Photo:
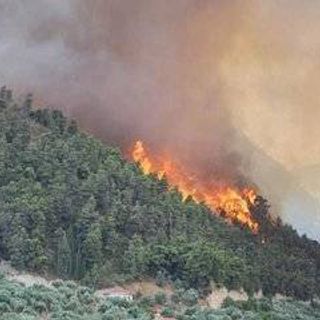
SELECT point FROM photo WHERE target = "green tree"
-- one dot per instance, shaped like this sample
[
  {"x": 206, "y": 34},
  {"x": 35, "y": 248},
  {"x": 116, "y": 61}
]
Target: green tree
[
  {"x": 63, "y": 261},
  {"x": 92, "y": 248},
  {"x": 136, "y": 257}
]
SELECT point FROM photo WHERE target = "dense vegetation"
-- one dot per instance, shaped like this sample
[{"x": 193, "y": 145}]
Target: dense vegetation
[
  {"x": 71, "y": 206},
  {"x": 63, "y": 300},
  {"x": 66, "y": 300}
]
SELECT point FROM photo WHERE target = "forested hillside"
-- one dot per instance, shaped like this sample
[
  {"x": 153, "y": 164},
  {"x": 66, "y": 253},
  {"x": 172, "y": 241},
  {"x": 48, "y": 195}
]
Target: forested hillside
[{"x": 73, "y": 207}]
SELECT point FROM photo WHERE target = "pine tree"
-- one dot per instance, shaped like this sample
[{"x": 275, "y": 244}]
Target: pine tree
[
  {"x": 63, "y": 262},
  {"x": 92, "y": 248},
  {"x": 18, "y": 244}
]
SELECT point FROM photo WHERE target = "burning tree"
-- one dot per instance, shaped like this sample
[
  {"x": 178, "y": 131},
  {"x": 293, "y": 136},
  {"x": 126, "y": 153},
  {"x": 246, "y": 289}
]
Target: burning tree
[{"x": 226, "y": 200}]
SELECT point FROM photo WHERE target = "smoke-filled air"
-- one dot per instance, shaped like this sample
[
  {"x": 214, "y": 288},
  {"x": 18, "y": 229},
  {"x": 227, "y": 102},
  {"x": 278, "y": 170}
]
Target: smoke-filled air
[{"x": 227, "y": 90}]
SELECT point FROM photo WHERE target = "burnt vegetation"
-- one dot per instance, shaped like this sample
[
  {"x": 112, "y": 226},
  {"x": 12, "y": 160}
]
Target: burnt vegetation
[{"x": 73, "y": 207}]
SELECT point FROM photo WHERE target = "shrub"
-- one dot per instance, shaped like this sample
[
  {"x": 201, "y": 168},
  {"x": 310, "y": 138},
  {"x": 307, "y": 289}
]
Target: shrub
[
  {"x": 146, "y": 302},
  {"x": 167, "y": 312},
  {"x": 40, "y": 306},
  {"x": 5, "y": 297},
  {"x": 228, "y": 302},
  {"x": 73, "y": 304},
  {"x": 160, "y": 278},
  {"x": 4, "y": 307},
  {"x": 175, "y": 298},
  {"x": 18, "y": 305},
  {"x": 57, "y": 284},
  {"x": 190, "y": 297},
  {"x": 160, "y": 298}
]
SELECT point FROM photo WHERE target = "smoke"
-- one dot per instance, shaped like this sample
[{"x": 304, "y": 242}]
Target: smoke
[{"x": 229, "y": 87}]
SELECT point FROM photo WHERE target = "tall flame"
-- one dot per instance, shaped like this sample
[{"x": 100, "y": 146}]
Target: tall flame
[{"x": 228, "y": 201}]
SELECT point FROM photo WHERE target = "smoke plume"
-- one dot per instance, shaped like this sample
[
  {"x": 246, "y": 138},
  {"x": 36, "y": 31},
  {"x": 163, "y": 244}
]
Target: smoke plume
[{"x": 228, "y": 87}]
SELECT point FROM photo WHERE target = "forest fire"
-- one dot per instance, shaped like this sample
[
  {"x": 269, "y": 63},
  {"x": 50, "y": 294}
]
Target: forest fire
[{"x": 227, "y": 201}]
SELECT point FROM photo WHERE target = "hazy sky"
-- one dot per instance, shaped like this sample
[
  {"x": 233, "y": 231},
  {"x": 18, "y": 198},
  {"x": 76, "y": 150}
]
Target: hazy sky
[{"x": 191, "y": 76}]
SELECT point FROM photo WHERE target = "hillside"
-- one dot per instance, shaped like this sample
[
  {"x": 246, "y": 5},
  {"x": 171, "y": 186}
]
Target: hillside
[
  {"x": 75, "y": 208},
  {"x": 293, "y": 194},
  {"x": 69, "y": 301}
]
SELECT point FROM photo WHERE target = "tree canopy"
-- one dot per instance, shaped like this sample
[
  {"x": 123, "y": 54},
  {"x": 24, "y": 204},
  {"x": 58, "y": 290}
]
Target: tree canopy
[{"x": 74, "y": 207}]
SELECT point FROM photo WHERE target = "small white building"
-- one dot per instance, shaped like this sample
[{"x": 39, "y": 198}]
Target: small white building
[{"x": 115, "y": 292}]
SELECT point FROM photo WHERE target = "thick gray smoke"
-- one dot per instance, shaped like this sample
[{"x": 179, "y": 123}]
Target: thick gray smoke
[
  {"x": 126, "y": 70},
  {"x": 229, "y": 87}
]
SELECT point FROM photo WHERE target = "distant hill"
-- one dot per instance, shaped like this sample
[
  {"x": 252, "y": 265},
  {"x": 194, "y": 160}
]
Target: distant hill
[
  {"x": 294, "y": 196},
  {"x": 74, "y": 207},
  {"x": 309, "y": 178}
]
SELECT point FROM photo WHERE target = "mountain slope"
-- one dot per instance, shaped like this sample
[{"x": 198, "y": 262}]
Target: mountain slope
[
  {"x": 71, "y": 206},
  {"x": 292, "y": 194}
]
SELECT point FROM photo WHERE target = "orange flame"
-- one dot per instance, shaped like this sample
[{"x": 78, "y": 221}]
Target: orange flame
[{"x": 225, "y": 200}]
